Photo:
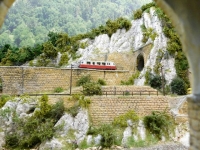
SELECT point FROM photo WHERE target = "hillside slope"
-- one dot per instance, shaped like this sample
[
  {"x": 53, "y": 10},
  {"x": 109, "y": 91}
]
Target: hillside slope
[
  {"x": 124, "y": 44},
  {"x": 29, "y": 21}
]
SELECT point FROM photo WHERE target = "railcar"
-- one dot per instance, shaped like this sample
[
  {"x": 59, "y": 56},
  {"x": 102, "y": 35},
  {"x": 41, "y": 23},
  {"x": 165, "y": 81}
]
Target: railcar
[{"x": 103, "y": 65}]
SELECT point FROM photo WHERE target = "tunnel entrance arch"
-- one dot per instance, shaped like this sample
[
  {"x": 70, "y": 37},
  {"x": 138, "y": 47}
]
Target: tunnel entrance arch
[{"x": 140, "y": 62}]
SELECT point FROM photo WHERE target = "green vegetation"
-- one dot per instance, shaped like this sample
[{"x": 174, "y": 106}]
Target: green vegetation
[
  {"x": 150, "y": 140},
  {"x": 101, "y": 82},
  {"x": 174, "y": 47},
  {"x": 3, "y": 100},
  {"x": 27, "y": 133},
  {"x": 148, "y": 33},
  {"x": 92, "y": 88},
  {"x": 137, "y": 14},
  {"x": 155, "y": 82},
  {"x": 131, "y": 80},
  {"x": 83, "y": 80},
  {"x": 107, "y": 133},
  {"x": 121, "y": 121},
  {"x": 159, "y": 124},
  {"x": 58, "y": 90},
  {"x": 80, "y": 102},
  {"x": 74, "y": 17},
  {"x": 178, "y": 86}
]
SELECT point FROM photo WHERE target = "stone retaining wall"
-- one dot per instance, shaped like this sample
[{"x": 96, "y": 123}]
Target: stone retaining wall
[
  {"x": 19, "y": 80},
  {"x": 105, "y": 109}
]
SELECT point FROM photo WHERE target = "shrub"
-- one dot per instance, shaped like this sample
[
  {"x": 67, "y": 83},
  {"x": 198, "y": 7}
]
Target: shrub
[
  {"x": 3, "y": 100},
  {"x": 156, "y": 82},
  {"x": 29, "y": 132},
  {"x": 64, "y": 59},
  {"x": 92, "y": 88},
  {"x": 178, "y": 86},
  {"x": 57, "y": 111},
  {"x": 122, "y": 119},
  {"x": 159, "y": 124},
  {"x": 83, "y": 80},
  {"x": 58, "y": 90},
  {"x": 108, "y": 137},
  {"x": 147, "y": 6},
  {"x": 73, "y": 110},
  {"x": 137, "y": 14},
  {"x": 101, "y": 82},
  {"x": 131, "y": 80}
]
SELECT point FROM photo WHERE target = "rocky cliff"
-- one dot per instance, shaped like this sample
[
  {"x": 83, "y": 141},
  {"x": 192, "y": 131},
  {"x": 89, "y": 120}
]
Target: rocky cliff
[{"x": 144, "y": 31}]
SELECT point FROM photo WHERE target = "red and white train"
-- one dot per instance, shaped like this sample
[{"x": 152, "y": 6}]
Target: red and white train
[{"x": 103, "y": 65}]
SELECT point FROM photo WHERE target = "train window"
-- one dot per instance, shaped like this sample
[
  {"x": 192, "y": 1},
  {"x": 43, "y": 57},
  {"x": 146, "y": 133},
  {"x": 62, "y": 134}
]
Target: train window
[
  {"x": 103, "y": 63},
  {"x": 88, "y": 63},
  {"x": 93, "y": 63},
  {"x": 98, "y": 63}
]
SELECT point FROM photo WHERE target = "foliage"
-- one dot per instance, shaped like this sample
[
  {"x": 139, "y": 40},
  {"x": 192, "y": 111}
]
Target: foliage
[
  {"x": 80, "y": 102},
  {"x": 156, "y": 82},
  {"x": 148, "y": 33},
  {"x": 137, "y": 14},
  {"x": 157, "y": 67},
  {"x": 131, "y": 80},
  {"x": 83, "y": 80},
  {"x": 29, "y": 132},
  {"x": 149, "y": 140},
  {"x": 147, "y": 6},
  {"x": 58, "y": 90},
  {"x": 101, "y": 82},
  {"x": 64, "y": 59},
  {"x": 148, "y": 76},
  {"x": 84, "y": 102},
  {"x": 40, "y": 17},
  {"x": 107, "y": 132},
  {"x": 159, "y": 124},
  {"x": 178, "y": 86},
  {"x": 121, "y": 120},
  {"x": 73, "y": 110},
  {"x": 3, "y": 100},
  {"x": 174, "y": 47},
  {"x": 92, "y": 88},
  {"x": 17, "y": 56}
]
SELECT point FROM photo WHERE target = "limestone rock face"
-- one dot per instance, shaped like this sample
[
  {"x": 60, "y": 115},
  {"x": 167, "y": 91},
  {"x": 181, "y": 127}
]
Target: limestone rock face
[
  {"x": 131, "y": 41},
  {"x": 21, "y": 108},
  {"x": 72, "y": 130}
]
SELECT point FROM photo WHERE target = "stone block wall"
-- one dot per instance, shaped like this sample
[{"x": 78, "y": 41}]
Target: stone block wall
[
  {"x": 19, "y": 80},
  {"x": 105, "y": 109}
]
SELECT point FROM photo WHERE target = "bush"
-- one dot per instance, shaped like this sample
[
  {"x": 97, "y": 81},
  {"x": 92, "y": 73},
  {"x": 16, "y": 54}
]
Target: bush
[
  {"x": 29, "y": 132},
  {"x": 137, "y": 14},
  {"x": 178, "y": 86},
  {"x": 156, "y": 82},
  {"x": 131, "y": 80},
  {"x": 3, "y": 100},
  {"x": 108, "y": 137},
  {"x": 83, "y": 80},
  {"x": 122, "y": 119},
  {"x": 92, "y": 88},
  {"x": 147, "y": 6},
  {"x": 107, "y": 133},
  {"x": 58, "y": 90},
  {"x": 101, "y": 82},
  {"x": 64, "y": 59},
  {"x": 159, "y": 124}
]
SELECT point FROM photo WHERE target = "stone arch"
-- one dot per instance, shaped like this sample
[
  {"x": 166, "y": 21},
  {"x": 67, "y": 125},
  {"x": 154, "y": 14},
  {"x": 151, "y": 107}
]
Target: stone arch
[
  {"x": 185, "y": 17},
  {"x": 140, "y": 62}
]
